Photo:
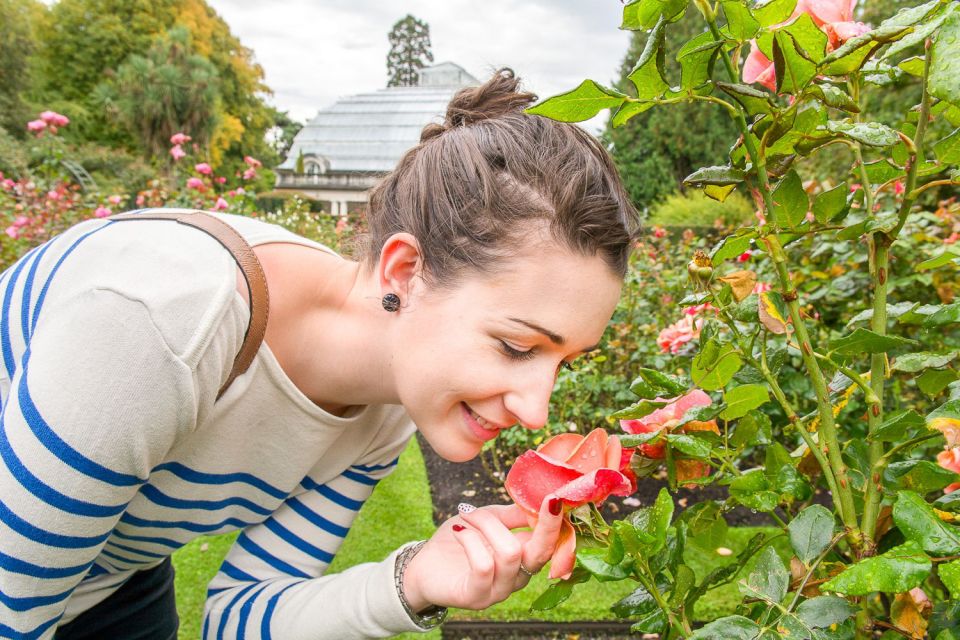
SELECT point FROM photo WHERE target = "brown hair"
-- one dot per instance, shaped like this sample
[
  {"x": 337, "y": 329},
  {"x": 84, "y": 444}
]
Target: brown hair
[{"x": 469, "y": 191}]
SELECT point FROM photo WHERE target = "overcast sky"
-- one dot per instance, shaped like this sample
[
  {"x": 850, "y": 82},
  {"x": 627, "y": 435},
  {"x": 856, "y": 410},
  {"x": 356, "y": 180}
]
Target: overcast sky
[{"x": 314, "y": 51}]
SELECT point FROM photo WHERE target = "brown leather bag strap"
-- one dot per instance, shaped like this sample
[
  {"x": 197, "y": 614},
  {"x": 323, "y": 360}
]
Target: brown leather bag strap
[{"x": 249, "y": 264}]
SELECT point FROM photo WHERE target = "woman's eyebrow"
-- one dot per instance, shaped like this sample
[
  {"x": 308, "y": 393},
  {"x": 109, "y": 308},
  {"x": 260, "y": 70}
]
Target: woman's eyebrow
[{"x": 554, "y": 337}]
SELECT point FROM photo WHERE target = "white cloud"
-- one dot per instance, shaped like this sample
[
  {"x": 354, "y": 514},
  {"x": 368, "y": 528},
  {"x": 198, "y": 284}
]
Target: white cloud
[{"x": 314, "y": 52}]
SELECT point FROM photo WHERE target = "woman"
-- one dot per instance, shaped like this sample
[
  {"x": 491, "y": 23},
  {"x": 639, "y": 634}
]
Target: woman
[{"x": 495, "y": 257}]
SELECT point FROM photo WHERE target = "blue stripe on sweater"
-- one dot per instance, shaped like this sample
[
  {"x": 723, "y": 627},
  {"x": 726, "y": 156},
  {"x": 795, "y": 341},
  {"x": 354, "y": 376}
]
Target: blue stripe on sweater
[
  {"x": 361, "y": 478},
  {"x": 42, "y": 536},
  {"x": 5, "y": 347},
  {"x": 33, "y": 634},
  {"x": 166, "y": 542},
  {"x": 225, "y": 614},
  {"x": 196, "y": 527},
  {"x": 148, "y": 554},
  {"x": 376, "y": 467},
  {"x": 25, "y": 326},
  {"x": 245, "y": 610},
  {"x": 56, "y": 267},
  {"x": 316, "y": 519},
  {"x": 331, "y": 494},
  {"x": 158, "y": 497},
  {"x": 297, "y": 542},
  {"x": 32, "y": 602},
  {"x": 45, "y": 492},
  {"x": 268, "y": 612},
  {"x": 202, "y": 477},
  {"x": 231, "y": 571},
  {"x": 58, "y": 447},
  {"x": 16, "y": 565},
  {"x": 256, "y": 550}
]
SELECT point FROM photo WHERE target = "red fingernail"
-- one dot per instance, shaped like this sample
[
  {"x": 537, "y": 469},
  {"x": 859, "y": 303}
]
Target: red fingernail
[
  {"x": 458, "y": 527},
  {"x": 555, "y": 506}
]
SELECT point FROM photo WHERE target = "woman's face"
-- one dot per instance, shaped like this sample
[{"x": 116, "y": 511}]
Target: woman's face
[{"x": 485, "y": 354}]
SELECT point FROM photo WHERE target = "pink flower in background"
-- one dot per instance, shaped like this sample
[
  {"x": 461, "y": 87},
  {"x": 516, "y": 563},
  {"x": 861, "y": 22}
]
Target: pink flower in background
[
  {"x": 179, "y": 138},
  {"x": 744, "y": 257},
  {"x": 177, "y": 152},
  {"x": 659, "y": 232},
  {"x": 759, "y": 68},
  {"x": 54, "y": 119},
  {"x": 762, "y": 287},
  {"x": 679, "y": 333},
  {"x": 53, "y": 195},
  {"x": 36, "y": 126},
  {"x": 203, "y": 168},
  {"x": 697, "y": 309},
  {"x": 953, "y": 237},
  {"x": 12, "y": 231},
  {"x": 196, "y": 183},
  {"x": 252, "y": 162},
  {"x": 250, "y": 174},
  {"x": 115, "y": 200},
  {"x": 140, "y": 200},
  {"x": 221, "y": 205},
  {"x": 898, "y": 188},
  {"x": 950, "y": 459},
  {"x": 8, "y": 184},
  {"x": 669, "y": 417},
  {"x": 102, "y": 212},
  {"x": 21, "y": 221},
  {"x": 221, "y": 179},
  {"x": 241, "y": 191}
]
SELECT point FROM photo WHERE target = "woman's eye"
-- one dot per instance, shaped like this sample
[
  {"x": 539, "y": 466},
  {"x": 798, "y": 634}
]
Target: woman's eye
[{"x": 515, "y": 354}]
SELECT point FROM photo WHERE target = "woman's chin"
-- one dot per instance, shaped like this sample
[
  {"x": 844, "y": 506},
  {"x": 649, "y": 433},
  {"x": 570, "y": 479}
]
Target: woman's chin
[{"x": 455, "y": 451}]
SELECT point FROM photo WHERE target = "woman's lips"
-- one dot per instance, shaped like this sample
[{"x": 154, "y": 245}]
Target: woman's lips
[{"x": 481, "y": 432}]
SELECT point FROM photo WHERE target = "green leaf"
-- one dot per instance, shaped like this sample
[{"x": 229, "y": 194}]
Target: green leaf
[
  {"x": 639, "y": 603},
  {"x": 947, "y": 314},
  {"x": 643, "y": 14},
  {"x": 688, "y": 444},
  {"x": 752, "y": 99},
  {"x": 793, "y": 70},
  {"x": 854, "y": 53},
  {"x": 896, "y": 571},
  {"x": 654, "y": 521},
  {"x": 729, "y": 628},
  {"x": 866, "y": 341},
  {"x": 592, "y": 560},
  {"x": 824, "y": 611},
  {"x": 715, "y": 365},
  {"x": 912, "y": 15},
  {"x": 637, "y": 410},
  {"x": 944, "y": 79},
  {"x": 913, "y": 362},
  {"x": 896, "y": 425},
  {"x": 945, "y": 258},
  {"x": 628, "y": 110},
  {"x": 696, "y": 59},
  {"x": 811, "y": 531},
  {"x": 769, "y": 579},
  {"x": 790, "y": 201},
  {"x": 754, "y": 428},
  {"x": 950, "y": 576},
  {"x": 872, "y": 134},
  {"x": 830, "y": 204},
  {"x": 741, "y": 23},
  {"x": 833, "y": 97},
  {"x": 882, "y": 171},
  {"x": 774, "y": 12},
  {"x": 933, "y": 381},
  {"x": 918, "y": 522},
  {"x": 949, "y": 409},
  {"x": 659, "y": 380},
  {"x": 706, "y": 526},
  {"x": 642, "y": 389},
  {"x": 922, "y": 476},
  {"x": 724, "y": 175},
  {"x": 948, "y": 149},
  {"x": 559, "y": 591},
  {"x": 636, "y": 439},
  {"x": 578, "y": 105},
  {"x": 913, "y": 66},
  {"x": 731, "y": 247},
  {"x": 740, "y": 400},
  {"x": 921, "y": 31},
  {"x": 648, "y": 74},
  {"x": 752, "y": 490}
]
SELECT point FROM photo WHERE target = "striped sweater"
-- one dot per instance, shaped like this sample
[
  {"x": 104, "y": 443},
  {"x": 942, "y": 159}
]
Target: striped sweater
[{"x": 114, "y": 340}]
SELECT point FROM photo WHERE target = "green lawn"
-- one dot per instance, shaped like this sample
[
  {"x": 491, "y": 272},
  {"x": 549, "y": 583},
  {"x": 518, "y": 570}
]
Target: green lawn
[{"x": 400, "y": 510}]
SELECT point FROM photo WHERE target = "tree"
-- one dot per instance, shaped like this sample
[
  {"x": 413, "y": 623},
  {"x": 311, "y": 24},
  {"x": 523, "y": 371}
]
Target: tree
[
  {"x": 409, "y": 48},
  {"x": 17, "y": 43},
  {"x": 169, "y": 89},
  {"x": 657, "y": 149}
]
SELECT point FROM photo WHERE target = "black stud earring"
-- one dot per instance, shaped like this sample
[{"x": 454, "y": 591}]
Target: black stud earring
[{"x": 391, "y": 302}]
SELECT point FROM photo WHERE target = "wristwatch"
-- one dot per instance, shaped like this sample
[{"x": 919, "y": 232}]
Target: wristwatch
[{"x": 429, "y": 618}]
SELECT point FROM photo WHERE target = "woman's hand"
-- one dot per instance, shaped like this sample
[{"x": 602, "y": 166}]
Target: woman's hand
[{"x": 474, "y": 559}]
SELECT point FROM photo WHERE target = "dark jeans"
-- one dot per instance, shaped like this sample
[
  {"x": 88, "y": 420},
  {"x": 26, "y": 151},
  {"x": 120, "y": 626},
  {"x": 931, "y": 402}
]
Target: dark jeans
[{"x": 144, "y": 608}]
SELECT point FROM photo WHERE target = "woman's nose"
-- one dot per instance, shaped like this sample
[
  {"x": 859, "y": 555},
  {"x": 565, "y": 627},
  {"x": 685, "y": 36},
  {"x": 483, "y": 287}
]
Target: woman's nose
[{"x": 529, "y": 400}]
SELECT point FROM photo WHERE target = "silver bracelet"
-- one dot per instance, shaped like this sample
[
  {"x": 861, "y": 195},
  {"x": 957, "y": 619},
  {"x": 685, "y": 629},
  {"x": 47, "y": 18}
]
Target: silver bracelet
[{"x": 431, "y": 617}]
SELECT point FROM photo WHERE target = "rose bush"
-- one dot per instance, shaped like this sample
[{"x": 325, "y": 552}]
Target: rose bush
[{"x": 840, "y": 379}]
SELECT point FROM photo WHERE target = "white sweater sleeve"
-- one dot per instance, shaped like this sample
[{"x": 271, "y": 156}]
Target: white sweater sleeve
[
  {"x": 271, "y": 584},
  {"x": 95, "y": 401}
]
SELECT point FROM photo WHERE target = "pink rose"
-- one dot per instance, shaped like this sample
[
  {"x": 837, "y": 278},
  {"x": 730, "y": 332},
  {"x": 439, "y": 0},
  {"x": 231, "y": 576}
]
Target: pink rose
[
  {"x": 250, "y": 174},
  {"x": 577, "y": 470},
  {"x": 668, "y": 417},
  {"x": 140, "y": 200},
  {"x": 196, "y": 183},
  {"x": 221, "y": 179},
  {"x": 950, "y": 460},
  {"x": 102, "y": 212},
  {"x": 13, "y": 232},
  {"x": 203, "y": 168},
  {"x": 8, "y": 184},
  {"x": 762, "y": 287},
  {"x": 659, "y": 232},
  {"x": 54, "y": 119},
  {"x": 759, "y": 68},
  {"x": 53, "y": 195},
  {"x": 671, "y": 339},
  {"x": 115, "y": 200},
  {"x": 252, "y": 162},
  {"x": 36, "y": 126},
  {"x": 21, "y": 221},
  {"x": 221, "y": 205},
  {"x": 179, "y": 138},
  {"x": 177, "y": 152}
]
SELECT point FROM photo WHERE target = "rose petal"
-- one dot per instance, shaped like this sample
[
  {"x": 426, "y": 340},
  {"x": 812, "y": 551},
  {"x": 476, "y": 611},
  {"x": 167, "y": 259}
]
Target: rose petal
[
  {"x": 612, "y": 456},
  {"x": 593, "y": 487},
  {"x": 560, "y": 447},
  {"x": 533, "y": 477},
  {"x": 565, "y": 554},
  {"x": 589, "y": 456}
]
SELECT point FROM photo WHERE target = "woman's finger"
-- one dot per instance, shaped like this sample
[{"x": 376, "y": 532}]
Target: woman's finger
[
  {"x": 538, "y": 550},
  {"x": 480, "y": 559},
  {"x": 504, "y": 545},
  {"x": 512, "y": 516}
]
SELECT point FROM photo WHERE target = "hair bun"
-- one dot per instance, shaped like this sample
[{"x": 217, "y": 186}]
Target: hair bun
[{"x": 496, "y": 97}]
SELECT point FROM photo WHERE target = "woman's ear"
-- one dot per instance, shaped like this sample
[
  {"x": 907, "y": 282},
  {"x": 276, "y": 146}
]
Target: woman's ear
[{"x": 400, "y": 262}]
